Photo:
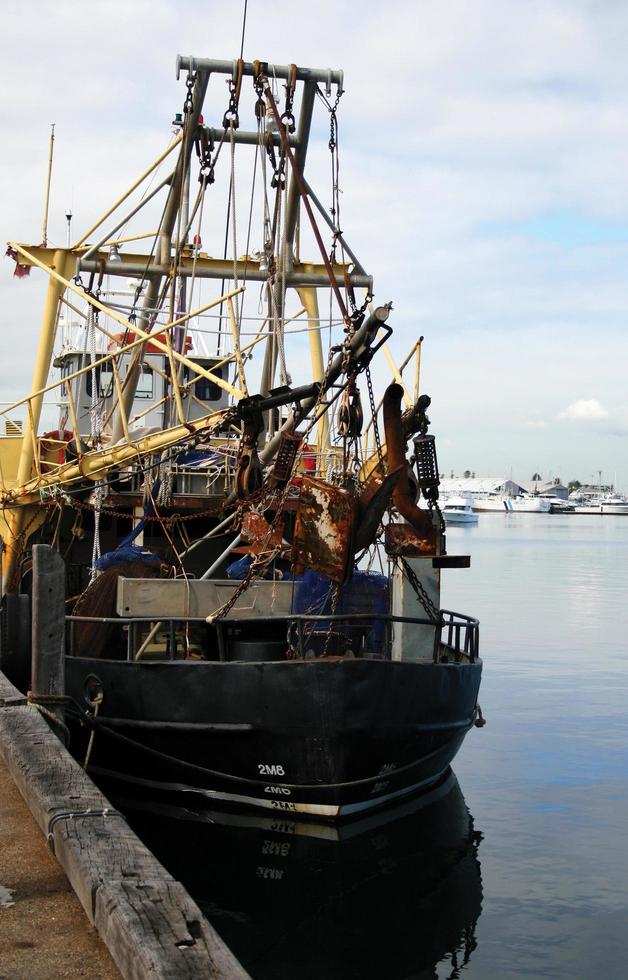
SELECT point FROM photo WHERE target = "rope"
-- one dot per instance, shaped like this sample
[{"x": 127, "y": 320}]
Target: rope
[
  {"x": 73, "y": 814},
  {"x": 92, "y": 321},
  {"x": 232, "y": 189}
]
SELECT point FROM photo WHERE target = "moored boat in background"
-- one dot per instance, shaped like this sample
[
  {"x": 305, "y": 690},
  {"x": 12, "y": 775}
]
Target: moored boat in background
[
  {"x": 558, "y": 505},
  {"x": 459, "y": 510},
  {"x": 527, "y": 504},
  {"x": 597, "y": 502}
]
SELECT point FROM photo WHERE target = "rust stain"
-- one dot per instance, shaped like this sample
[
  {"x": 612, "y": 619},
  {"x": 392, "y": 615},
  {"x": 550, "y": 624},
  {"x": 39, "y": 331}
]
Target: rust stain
[
  {"x": 256, "y": 532},
  {"x": 324, "y": 528},
  {"x": 403, "y": 539}
]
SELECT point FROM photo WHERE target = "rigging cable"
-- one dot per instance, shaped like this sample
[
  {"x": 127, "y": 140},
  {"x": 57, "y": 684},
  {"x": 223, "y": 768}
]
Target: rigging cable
[{"x": 243, "y": 29}]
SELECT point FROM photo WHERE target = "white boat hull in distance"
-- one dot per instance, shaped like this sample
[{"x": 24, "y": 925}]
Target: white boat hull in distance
[
  {"x": 489, "y": 504},
  {"x": 558, "y": 505},
  {"x": 527, "y": 505},
  {"x": 614, "y": 505},
  {"x": 459, "y": 510},
  {"x": 611, "y": 504}
]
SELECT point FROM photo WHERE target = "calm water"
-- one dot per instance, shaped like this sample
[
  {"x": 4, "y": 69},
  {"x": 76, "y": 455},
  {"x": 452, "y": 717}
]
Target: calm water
[
  {"x": 530, "y": 877},
  {"x": 547, "y": 778}
]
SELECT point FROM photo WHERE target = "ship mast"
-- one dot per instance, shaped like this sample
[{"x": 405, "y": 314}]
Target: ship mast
[{"x": 197, "y": 95}]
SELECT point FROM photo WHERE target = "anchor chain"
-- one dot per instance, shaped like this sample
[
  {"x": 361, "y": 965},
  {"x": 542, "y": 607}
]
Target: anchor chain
[
  {"x": 373, "y": 407},
  {"x": 430, "y": 608}
]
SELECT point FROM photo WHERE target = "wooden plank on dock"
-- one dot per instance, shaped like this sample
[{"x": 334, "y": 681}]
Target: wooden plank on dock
[{"x": 148, "y": 921}]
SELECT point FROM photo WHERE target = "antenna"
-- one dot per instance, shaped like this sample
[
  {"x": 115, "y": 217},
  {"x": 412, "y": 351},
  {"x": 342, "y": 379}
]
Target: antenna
[
  {"x": 44, "y": 239},
  {"x": 68, "y": 218}
]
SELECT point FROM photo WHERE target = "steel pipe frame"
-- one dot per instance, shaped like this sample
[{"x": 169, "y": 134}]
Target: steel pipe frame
[
  {"x": 358, "y": 267},
  {"x": 214, "y": 66},
  {"x": 92, "y": 249},
  {"x": 223, "y": 269},
  {"x": 249, "y": 138},
  {"x": 360, "y": 343}
]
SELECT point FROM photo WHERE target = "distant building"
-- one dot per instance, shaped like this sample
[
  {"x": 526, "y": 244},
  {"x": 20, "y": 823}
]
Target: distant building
[
  {"x": 481, "y": 484},
  {"x": 547, "y": 486}
]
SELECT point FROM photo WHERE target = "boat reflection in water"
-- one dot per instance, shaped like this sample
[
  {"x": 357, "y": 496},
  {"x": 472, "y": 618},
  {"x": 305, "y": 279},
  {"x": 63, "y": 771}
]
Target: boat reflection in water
[{"x": 391, "y": 895}]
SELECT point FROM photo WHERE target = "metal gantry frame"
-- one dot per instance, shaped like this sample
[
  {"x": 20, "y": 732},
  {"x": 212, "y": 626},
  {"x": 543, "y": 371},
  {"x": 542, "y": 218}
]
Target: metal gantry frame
[{"x": 61, "y": 264}]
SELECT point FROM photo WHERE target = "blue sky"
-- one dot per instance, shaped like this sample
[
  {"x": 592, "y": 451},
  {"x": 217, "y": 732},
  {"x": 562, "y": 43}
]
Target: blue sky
[
  {"x": 565, "y": 228},
  {"x": 484, "y": 177}
]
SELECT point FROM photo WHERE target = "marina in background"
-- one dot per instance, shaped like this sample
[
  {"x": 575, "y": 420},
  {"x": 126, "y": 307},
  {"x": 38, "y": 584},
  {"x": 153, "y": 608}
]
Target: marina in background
[{"x": 497, "y": 494}]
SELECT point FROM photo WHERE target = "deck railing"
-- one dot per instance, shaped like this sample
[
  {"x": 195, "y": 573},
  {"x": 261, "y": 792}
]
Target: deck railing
[{"x": 456, "y": 633}]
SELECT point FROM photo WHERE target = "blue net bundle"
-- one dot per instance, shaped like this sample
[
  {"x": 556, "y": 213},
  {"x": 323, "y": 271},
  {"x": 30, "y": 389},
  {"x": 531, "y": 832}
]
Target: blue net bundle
[
  {"x": 365, "y": 593},
  {"x": 126, "y": 554}
]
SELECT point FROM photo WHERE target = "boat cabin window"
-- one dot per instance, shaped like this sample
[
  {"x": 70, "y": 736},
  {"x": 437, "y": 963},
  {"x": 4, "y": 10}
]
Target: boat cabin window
[
  {"x": 105, "y": 385},
  {"x": 66, "y": 369},
  {"x": 104, "y": 382},
  {"x": 145, "y": 383},
  {"x": 204, "y": 389}
]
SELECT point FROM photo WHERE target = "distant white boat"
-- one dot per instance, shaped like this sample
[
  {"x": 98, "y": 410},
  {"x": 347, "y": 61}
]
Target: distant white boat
[
  {"x": 459, "y": 510},
  {"x": 600, "y": 503},
  {"x": 558, "y": 505},
  {"x": 614, "y": 504},
  {"x": 527, "y": 505},
  {"x": 489, "y": 502}
]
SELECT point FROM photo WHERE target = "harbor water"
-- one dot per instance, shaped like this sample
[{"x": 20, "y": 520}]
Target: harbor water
[{"x": 517, "y": 866}]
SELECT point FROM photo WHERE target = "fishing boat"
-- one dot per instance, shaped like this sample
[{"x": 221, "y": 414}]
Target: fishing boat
[{"x": 253, "y": 592}]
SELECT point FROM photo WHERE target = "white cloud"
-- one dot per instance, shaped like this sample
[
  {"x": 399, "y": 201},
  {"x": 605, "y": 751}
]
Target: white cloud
[{"x": 585, "y": 409}]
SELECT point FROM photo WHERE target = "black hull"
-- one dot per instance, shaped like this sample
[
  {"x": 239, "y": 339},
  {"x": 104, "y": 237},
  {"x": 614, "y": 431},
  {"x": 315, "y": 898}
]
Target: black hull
[{"x": 327, "y": 737}]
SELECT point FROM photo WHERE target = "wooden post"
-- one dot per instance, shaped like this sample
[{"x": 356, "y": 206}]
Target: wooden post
[{"x": 48, "y": 673}]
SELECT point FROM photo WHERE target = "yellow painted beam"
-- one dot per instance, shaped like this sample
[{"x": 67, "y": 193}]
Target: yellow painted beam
[
  {"x": 94, "y": 465},
  {"x": 127, "y": 193},
  {"x": 309, "y": 298},
  {"x": 193, "y": 366}
]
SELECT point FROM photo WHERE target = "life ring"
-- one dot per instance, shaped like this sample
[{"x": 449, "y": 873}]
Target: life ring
[{"x": 53, "y": 444}]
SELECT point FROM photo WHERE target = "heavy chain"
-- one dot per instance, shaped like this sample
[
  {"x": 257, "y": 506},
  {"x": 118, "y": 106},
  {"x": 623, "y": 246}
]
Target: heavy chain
[
  {"x": 430, "y": 608},
  {"x": 188, "y": 105},
  {"x": 82, "y": 505},
  {"x": 258, "y": 565},
  {"x": 378, "y": 442},
  {"x": 287, "y": 118},
  {"x": 231, "y": 117},
  {"x": 335, "y": 601},
  {"x": 204, "y": 151},
  {"x": 433, "y": 504},
  {"x": 278, "y": 179},
  {"x": 333, "y": 121}
]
